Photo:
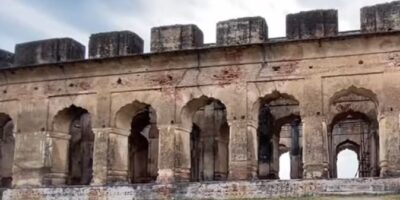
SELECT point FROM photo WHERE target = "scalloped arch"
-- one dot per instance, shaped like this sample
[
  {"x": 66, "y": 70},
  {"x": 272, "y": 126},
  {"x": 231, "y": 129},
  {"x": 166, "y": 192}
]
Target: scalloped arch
[
  {"x": 187, "y": 112},
  {"x": 124, "y": 115},
  {"x": 64, "y": 117}
]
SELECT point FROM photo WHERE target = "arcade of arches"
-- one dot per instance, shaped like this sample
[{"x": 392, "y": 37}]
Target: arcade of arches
[{"x": 202, "y": 142}]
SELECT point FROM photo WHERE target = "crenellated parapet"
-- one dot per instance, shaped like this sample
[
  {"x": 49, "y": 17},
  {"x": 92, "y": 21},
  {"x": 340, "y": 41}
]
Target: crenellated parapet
[
  {"x": 176, "y": 37},
  {"x": 381, "y": 17},
  {"x": 48, "y": 51},
  {"x": 306, "y": 25},
  {"x": 111, "y": 44},
  {"x": 242, "y": 31},
  {"x": 6, "y": 59},
  {"x": 312, "y": 24}
]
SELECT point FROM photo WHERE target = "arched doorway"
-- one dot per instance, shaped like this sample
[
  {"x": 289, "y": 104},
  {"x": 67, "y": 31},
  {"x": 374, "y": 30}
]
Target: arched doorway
[
  {"x": 284, "y": 166},
  {"x": 138, "y": 122},
  {"x": 7, "y": 146},
  {"x": 80, "y": 148},
  {"x": 347, "y": 164},
  {"x": 75, "y": 122},
  {"x": 357, "y": 132},
  {"x": 143, "y": 147},
  {"x": 209, "y": 140},
  {"x": 279, "y": 131}
]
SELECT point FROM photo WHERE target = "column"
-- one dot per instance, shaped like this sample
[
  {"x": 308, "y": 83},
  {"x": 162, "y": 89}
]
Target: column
[
  {"x": 239, "y": 164},
  {"x": 118, "y": 156},
  {"x": 315, "y": 161},
  {"x": 314, "y": 155},
  {"x": 252, "y": 146},
  {"x": 100, "y": 155},
  {"x": 182, "y": 154},
  {"x": 31, "y": 143},
  {"x": 389, "y": 140},
  {"x": 57, "y": 160},
  {"x": 166, "y": 154}
]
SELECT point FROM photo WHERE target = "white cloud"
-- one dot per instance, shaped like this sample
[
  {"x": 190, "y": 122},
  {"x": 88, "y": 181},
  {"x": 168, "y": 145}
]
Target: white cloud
[{"x": 35, "y": 21}]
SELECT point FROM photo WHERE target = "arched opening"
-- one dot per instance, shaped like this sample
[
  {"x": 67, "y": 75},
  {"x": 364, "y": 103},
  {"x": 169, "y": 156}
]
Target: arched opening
[
  {"x": 284, "y": 166},
  {"x": 7, "y": 146},
  {"x": 209, "y": 140},
  {"x": 357, "y": 132},
  {"x": 76, "y": 122},
  {"x": 279, "y": 131},
  {"x": 347, "y": 164},
  {"x": 143, "y": 146}
]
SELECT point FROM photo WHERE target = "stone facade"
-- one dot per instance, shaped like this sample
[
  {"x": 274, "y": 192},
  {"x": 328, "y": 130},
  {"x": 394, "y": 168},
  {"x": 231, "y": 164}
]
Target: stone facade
[{"x": 193, "y": 113}]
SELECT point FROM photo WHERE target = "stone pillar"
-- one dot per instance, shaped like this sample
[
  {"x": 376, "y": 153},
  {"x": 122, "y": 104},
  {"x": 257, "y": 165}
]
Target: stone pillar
[
  {"x": 31, "y": 143},
  {"x": 252, "y": 146},
  {"x": 239, "y": 164},
  {"x": 57, "y": 161},
  {"x": 118, "y": 156},
  {"x": 182, "y": 154},
  {"x": 29, "y": 160},
  {"x": 100, "y": 156},
  {"x": 314, "y": 139},
  {"x": 389, "y": 140},
  {"x": 166, "y": 154},
  {"x": 314, "y": 156}
]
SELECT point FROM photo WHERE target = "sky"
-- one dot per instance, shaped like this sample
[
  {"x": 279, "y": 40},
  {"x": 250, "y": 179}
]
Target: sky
[
  {"x": 29, "y": 20},
  {"x": 347, "y": 165}
]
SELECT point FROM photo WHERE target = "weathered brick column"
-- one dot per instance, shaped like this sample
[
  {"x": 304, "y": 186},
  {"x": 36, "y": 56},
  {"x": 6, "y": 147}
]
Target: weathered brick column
[
  {"x": 239, "y": 164},
  {"x": 100, "y": 156},
  {"x": 166, "y": 154},
  {"x": 389, "y": 140},
  {"x": 315, "y": 161},
  {"x": 118, "y": 156},
  {"x": 182, "y": 154},
  {"x": 314, "y": 156},
  {"x": 30, "y": 143},
  {"x": 252, "y": 147},
  {"x": 57, "y": 159}
]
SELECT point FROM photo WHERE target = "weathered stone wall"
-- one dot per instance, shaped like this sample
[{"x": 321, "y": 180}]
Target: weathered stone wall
[
  {"x": 215, "y": 190},
  {"x": 318, "y": 81}
]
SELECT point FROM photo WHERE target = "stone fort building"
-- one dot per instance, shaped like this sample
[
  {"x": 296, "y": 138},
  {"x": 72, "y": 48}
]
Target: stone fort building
[{"x": 195, "y": 120}]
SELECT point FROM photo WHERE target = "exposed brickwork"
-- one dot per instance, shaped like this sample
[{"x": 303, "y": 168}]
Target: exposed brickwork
[{"x": 215, "y": 190}]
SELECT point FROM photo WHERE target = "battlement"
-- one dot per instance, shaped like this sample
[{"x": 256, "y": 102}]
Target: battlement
[
  {"x": 315, "y": 24},
  {"x": 48, "y": 51}
]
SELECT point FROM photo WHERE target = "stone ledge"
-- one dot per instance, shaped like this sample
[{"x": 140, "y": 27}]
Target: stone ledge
[{"x": 217, "y": 190}]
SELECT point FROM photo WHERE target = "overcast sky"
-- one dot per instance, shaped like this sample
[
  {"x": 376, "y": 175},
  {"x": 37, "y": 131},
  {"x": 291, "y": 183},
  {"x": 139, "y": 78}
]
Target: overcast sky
[{"x": 28, "y": 20}]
